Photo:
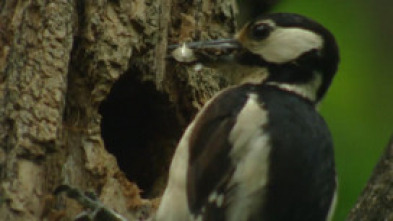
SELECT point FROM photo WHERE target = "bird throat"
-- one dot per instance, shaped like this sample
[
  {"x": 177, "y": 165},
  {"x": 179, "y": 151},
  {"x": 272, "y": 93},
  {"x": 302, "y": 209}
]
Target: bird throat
[{"x": 307, "y": 90}]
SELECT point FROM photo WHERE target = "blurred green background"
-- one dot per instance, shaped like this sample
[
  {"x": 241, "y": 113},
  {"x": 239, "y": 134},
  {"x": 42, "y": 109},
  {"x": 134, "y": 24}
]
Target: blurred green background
[{"x": 358, "y": 107}]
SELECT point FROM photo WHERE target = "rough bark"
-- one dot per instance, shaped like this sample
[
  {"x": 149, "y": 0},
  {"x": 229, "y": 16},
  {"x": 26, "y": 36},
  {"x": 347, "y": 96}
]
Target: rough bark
[
  {"x": 83, "y": 84},
  {"x": 376, "y": 201}
]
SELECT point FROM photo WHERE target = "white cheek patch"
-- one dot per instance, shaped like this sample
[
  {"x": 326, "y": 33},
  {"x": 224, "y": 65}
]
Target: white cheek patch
[{"x": 286, "y": 44}]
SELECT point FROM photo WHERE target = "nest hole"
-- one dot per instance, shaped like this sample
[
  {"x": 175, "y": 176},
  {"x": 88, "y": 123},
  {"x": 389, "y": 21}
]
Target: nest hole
[{"x": 141, "y": 128}]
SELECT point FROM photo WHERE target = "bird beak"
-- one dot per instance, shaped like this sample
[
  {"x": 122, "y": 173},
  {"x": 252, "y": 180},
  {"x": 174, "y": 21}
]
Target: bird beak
[
  {"x": 204, "y": 51},
  {"x": 219, "y": 44}
]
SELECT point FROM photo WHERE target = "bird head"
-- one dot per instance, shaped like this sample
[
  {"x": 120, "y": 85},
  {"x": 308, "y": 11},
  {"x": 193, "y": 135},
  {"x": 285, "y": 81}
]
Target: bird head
[{"x": 299, "y": 53}]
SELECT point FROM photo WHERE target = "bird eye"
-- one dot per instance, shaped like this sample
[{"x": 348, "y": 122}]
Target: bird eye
[{"x": 260, "y": 31}]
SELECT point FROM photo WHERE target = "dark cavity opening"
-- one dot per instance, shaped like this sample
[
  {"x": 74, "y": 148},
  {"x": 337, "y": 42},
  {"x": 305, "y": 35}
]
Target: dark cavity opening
[{"x": 140, "y": 128}]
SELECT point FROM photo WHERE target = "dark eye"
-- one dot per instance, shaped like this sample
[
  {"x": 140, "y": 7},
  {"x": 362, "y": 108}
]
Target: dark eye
[{"x": 260, "y": 31}]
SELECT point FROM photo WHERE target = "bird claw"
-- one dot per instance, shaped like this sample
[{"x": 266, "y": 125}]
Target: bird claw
[{"x": 96, "y": 210}]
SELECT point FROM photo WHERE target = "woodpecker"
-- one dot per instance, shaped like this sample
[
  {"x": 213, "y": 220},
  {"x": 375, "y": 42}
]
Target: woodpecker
[{"x": 260, "y": 151}]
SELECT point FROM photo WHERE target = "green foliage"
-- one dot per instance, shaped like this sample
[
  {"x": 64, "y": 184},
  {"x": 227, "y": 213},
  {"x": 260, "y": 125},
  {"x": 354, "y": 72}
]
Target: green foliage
[{"x": 358, "y": 107}]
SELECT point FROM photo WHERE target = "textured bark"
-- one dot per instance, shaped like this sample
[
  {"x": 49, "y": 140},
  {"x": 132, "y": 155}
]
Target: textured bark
[
  {"x": 376, "y": 201},
  {"x": 66, "y": 69}
]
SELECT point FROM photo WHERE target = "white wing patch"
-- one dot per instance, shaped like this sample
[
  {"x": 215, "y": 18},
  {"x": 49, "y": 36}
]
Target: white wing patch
[
  {"x": 174, "y": 204},
  {"x": 285, "y": 44},
  {"x": 250, "y": 153},
  {"x": 218, "y": 199}
]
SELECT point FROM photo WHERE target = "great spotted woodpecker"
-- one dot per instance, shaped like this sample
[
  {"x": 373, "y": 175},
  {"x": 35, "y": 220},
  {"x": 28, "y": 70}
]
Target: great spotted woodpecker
[{"x": 260, "y": 151}]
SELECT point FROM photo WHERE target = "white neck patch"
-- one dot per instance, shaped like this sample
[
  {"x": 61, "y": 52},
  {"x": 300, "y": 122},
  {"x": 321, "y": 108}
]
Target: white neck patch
[
  {"x": 285, "y": 44},
  {"x": 307, "y": 90}
]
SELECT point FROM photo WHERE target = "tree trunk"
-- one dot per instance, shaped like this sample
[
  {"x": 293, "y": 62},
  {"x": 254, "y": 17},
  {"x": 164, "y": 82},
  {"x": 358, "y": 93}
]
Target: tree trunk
[
  {"x": 89, "y": 99},
  {"x": 376, "y": 201}
]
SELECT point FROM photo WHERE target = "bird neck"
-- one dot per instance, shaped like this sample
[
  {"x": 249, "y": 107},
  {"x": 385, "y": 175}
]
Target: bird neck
[
  {"x": 302, "y": 77},
  {"x": 295, "y": 79}
]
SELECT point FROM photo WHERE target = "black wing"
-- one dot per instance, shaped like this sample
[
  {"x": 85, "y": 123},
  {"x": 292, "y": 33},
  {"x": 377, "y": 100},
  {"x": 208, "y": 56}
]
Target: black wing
[{"x": 210, "y": 167}]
